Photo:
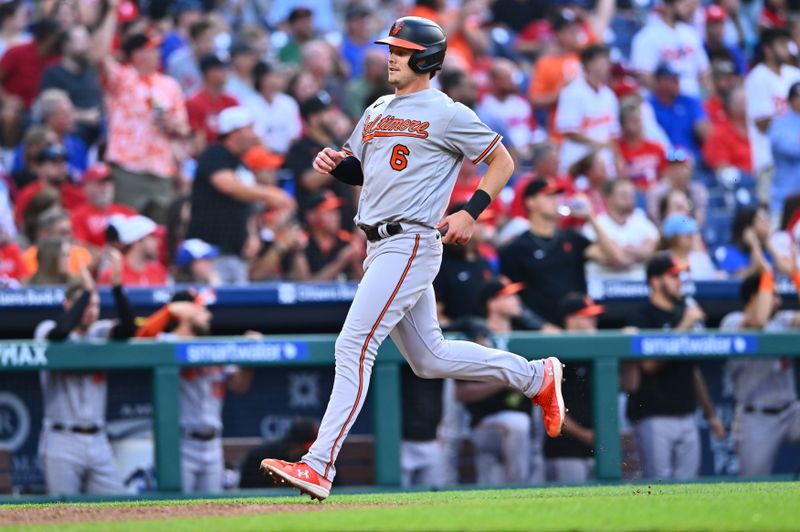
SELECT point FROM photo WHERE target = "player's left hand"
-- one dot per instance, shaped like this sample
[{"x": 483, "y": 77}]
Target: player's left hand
[{"x": 459, "y": 228}]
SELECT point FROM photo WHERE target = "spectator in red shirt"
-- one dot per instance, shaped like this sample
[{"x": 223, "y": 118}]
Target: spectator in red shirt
[
  {"x": 12, "y": 265},
  {"x": 50, "y": 167},
  {"x": 21, "y": 71},
  {"x": 644, "y": 160},
  {"x": 140, "y": 266},
  {"x": 725, "y": 79},
  {"x": 90, "y": 220},
  {"x": 204, "y": 107},
  {"x": 728, "y": 144}
]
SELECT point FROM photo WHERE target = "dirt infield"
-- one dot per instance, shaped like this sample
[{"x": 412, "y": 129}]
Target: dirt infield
[{"x": 81, "y": 513}]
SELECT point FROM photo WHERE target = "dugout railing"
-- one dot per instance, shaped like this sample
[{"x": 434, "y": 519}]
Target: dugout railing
[{"x": 604, "y": 349}]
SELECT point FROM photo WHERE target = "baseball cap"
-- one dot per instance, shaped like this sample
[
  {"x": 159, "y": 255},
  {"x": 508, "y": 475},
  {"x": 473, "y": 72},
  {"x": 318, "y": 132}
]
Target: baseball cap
[
  {"x": 625, "y": 86},
  {"x": 182, "y": 6},
  {"x": 356, "y": 11},
  {"x": 207, "y": 62},
  {"x": 723, "y": 67},
  {"x": 563, "y": 18},
  {"x": 315, "y": 104},
  {"x": 662, "y": 263},
  {"x": 234, "y": 118},
  {"x": 794, "y": 90},
  {"x": 679, "y": 224},
  {"x": 714, "y": 13},
  {"x": 241, "y": 48},
  {"x": 498, "y": 288},
  {"x": 127, "y": 11},
  {"x": 299, "y": 13},
  {"x": 138, "y": 41},
  {"x": 577, "y": 304},
  {"x": 131, "y": 229},
  {"x": 259, "y": 158},
  {"x": 195, "y": 249},
  {"x": 51, "y": 152},
  {"x": 324, "y": 201},
  {"x": 96, "y": 173},
  {"x": 665, "y": 70},
  {"x": 541, "y": 185}
]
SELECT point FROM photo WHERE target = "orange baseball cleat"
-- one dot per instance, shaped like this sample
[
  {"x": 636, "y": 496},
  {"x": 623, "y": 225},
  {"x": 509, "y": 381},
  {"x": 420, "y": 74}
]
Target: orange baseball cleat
[
  {"x": 297, "y": 475},
  {"x": 550, "y": 398}
]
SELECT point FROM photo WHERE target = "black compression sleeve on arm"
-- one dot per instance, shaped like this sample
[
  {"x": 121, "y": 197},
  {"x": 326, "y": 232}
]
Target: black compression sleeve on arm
[
  {"x": 349, "y": 171},
  {"x": 70, "y": 319},
  {"x": 477, "y": 203},
  {"x": 126, "y": 324}
]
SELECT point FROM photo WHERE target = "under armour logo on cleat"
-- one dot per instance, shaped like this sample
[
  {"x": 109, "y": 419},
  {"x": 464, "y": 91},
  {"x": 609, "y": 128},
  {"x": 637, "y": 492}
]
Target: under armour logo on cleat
[{"x": 302, "y": 474}]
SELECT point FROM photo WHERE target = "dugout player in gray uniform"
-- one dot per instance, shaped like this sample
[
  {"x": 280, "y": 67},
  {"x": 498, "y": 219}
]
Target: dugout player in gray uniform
[
  {"x": 74, "y": 451},
  {"x": 202, "y": 391},
  {"x": 406, "y": 151},
  {"x": 767, "y": 409}
]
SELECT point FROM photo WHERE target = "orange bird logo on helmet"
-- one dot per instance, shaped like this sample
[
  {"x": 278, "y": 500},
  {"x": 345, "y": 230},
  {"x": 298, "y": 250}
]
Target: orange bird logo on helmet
[{"x": 396, "y": 27}]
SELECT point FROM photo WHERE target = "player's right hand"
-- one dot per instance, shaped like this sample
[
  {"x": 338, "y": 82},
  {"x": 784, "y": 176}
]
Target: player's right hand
[{"x": 327, "y": 160}]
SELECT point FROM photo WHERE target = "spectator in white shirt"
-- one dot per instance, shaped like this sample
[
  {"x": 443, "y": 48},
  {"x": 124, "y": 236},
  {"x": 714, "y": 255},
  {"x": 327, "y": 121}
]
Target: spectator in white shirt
[
  {"x": 629, "y": 227},
  {"x": 669, "y": 38},
  {"x": 277, "y": 115},
  {"x": 588, "y": 112},
  {"x": 244, "y": 58},
  {"x": 766, "y": 87},
  {"x": 504, "y": 105}
]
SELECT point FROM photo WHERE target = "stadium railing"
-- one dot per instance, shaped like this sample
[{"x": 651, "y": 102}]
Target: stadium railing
[
  {"x": 165, "y": 360},
  {"x": 283, "y": 307}
]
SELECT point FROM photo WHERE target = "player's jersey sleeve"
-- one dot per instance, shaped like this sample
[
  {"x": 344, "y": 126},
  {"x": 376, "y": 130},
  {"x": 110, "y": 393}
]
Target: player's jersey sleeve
[
  {"x": 468, "y": 135},
  {"x": 353, "y": 144}
]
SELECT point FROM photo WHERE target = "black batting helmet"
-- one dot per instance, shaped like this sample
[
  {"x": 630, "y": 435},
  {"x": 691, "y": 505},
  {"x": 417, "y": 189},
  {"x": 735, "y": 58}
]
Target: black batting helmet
[{"x": 422, "y": 35}]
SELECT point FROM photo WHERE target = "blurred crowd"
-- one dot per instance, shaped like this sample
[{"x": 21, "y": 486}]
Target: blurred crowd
[{"x": 182, "y": 132}]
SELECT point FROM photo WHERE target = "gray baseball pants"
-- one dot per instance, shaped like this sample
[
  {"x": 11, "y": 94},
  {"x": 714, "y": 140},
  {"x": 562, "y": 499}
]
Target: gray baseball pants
[
  {"x": 395, "y": 297},
  {"x": 78, "y": 463},
  {"x": 759, "y": 437},
  {"x": 202, "y": 465},
  {"x": 669, "y": 447}
]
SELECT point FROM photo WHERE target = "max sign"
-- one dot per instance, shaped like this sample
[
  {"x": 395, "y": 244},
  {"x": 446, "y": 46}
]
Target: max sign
[{"x": 23, "y": 355}]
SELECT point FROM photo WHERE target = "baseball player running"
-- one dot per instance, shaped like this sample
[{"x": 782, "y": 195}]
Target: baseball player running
[{"x": 406, "y": 152}]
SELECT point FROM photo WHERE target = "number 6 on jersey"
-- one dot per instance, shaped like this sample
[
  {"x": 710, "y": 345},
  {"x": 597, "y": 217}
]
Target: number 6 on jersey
[{"x": 399, "y": 160}]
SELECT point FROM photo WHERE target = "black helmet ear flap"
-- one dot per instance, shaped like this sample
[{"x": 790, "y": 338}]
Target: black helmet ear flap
[{"x": 429, "y": 60}]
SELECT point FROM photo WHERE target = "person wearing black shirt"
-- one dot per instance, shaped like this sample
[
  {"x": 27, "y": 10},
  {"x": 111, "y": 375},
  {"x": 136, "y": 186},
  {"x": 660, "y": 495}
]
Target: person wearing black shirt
[
  {"x": 224, "y": 194},
  {"x": 331, "y": 251},
  {"x": 320, "y": 123},
  {"x": 499, "y": 416},
  {"x": 462, "y": 274},
  {"x": 570, "y": 458},
  {"x": 551, "y": 261},
  {"x": 662, "y": 405}
]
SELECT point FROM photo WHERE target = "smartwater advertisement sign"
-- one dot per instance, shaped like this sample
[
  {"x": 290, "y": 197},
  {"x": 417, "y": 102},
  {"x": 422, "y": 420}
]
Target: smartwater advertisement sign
[
  {"x": 695, "y": 345},
  {"x": 243, "y": 352}
]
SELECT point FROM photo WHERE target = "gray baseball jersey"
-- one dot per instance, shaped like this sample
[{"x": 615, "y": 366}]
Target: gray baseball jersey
[
  {"x": 411, "y": 148},
  {"x": 762, "y": 382},
  {"x": 71, "y": 397}
]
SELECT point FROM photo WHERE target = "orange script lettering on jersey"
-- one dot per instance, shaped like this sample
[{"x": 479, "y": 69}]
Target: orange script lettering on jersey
[{"x": 391, "y": 126}]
